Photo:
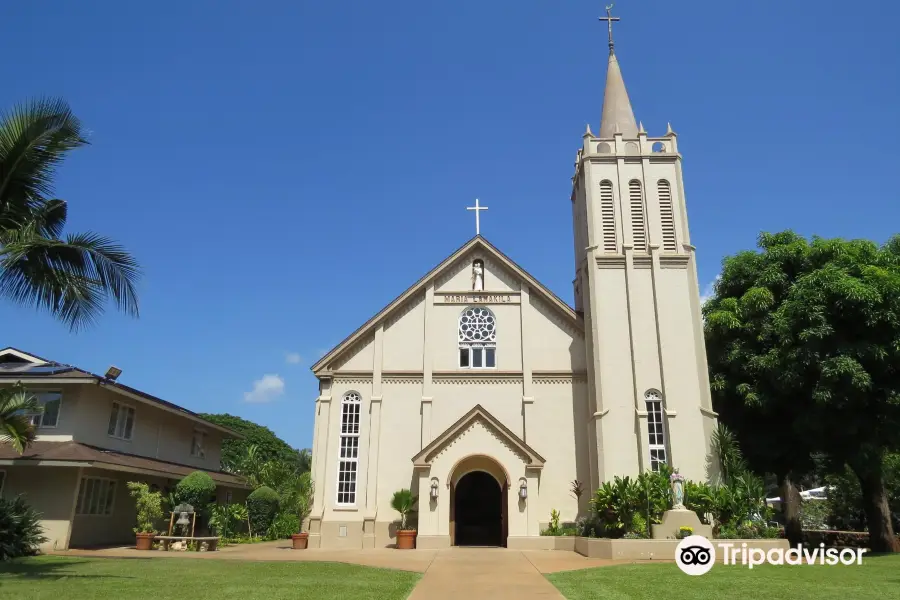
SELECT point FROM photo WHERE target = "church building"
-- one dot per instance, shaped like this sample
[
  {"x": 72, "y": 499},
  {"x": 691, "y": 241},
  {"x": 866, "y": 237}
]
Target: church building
[{"x": 488, "y": 396}]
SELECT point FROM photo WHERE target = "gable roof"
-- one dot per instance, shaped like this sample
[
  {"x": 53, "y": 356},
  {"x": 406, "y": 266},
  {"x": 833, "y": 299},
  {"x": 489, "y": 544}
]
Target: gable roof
[
  {"x": 40, "y": 370},
  {"x": 424, "y": 457},
  {"x": 477, "y": 242}
]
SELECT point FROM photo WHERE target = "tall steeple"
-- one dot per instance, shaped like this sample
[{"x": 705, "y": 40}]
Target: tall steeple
[{"x": 617, "y": 115}]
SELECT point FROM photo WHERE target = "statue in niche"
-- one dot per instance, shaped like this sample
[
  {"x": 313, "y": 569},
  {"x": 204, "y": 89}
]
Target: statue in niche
[{"x": 478, "y": 276}]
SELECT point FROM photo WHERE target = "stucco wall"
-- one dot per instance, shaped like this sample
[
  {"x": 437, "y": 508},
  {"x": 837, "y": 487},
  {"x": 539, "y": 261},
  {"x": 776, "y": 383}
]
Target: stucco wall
[
  {"x": 51, "y": 492},
  {"x": 84, "y": 416}
]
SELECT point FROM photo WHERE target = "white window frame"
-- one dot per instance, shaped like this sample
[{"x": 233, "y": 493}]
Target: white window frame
[
  {"x": 202, "y": 446},
  {"x": 40, "y": 415},
  {"x": 469, "y": 346},
  {"x": 119, "y": 413},
  {"x": 349, "y": 438},
  {"x": 656, "y": 429},
  {"x": 82, "y": 489}
]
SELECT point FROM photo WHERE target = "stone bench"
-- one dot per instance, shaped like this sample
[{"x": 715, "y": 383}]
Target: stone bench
[{"x": 211, "y": 542}]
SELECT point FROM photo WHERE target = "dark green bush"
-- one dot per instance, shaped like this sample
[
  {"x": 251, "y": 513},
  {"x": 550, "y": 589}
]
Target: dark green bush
[
  {"x": 197, "y": 489},
  {"x": 283, "y": 526},
  {"x": 262, "y": 506},
  {"x": 20, "y": 529}
]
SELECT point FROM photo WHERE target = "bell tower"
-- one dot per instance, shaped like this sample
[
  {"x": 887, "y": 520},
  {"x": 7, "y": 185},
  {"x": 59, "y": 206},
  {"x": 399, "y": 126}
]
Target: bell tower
[{"x": 636, "y": 285}]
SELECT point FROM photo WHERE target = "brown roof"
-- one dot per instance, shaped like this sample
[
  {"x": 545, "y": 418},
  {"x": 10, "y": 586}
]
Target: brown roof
[{"x": 82, "y": 453}]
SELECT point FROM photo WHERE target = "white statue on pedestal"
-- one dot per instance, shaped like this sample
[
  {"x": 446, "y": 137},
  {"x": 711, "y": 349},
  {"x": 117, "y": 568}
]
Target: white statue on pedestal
[
  {"x": 677, "y": 482},
  {"x": 478, "y": 276}
]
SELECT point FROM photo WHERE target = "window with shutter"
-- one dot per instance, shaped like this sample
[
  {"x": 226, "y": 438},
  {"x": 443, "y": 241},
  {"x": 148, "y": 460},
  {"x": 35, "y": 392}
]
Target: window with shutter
[
  {"x": 608, "y": 216},
  {"x": 638, "y": 222},
  {"x": 666, "y": 216}
]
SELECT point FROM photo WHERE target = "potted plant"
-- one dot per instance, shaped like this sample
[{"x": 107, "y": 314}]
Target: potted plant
[
  {"x": 148, "y": 509},
  {"x": 404, "y": 502},
  {"x": 300, "y": 540}
]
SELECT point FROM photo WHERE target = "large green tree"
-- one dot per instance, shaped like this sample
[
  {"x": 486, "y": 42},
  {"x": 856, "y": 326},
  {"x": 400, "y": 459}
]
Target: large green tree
[
  {"x": 803, "y": 339},
  {"x": 71, "y": 277},
  {"x": 268, "y": 446}
]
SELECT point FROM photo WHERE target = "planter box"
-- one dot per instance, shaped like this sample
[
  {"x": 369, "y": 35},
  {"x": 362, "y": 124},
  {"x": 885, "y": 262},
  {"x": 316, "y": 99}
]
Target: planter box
[
  {"x": 544, "y": 542},
  {"x": 656, "y": 549}
]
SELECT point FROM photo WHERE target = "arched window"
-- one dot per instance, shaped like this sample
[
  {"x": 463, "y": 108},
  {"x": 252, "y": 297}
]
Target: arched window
[
  {"x": 655, "y": 429},
  {"x": 477, "y": 338},
  {"x": 608, "y": 216},
  {"x": 666, "y": 215},
  {"x": 348, "y": 462},
  {"x": 638, "y": 222}
]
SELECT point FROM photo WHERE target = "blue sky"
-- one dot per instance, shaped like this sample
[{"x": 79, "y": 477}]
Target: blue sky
[{"x": 282, "y": 170}]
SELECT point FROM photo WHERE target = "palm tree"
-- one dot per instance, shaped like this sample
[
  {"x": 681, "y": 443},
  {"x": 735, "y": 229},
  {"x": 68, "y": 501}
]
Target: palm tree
[
  {"x": 71, "y": 278},
  {"x": 16, "y": 406}
]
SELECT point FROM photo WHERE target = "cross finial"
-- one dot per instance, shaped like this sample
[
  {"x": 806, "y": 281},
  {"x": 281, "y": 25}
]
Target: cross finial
[
  {"x": 477, "y": 208},
  {"x": 609, "y": 21}
]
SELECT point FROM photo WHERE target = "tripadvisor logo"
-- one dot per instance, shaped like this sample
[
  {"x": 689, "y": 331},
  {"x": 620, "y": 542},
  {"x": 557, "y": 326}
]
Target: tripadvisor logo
[{"x": 696, "y": 555}]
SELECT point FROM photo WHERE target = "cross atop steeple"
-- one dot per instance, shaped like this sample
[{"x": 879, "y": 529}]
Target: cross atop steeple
[
  {"x": 609, "y": 21},
  {"x": 477, "y": 208}
]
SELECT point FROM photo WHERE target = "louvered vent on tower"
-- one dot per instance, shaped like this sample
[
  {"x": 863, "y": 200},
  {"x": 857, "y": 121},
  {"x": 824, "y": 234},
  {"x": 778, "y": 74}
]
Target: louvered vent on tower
[
  {"x": 666, "y": 216},
  {"x": 608, "y": 215},
  {"x": 638, "y": 223}
]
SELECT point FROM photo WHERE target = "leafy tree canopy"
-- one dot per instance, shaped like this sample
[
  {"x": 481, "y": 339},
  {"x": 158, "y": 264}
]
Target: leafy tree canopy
[
  {"x": 269, "y": 447},
  {"x": 803, "y": 339}
]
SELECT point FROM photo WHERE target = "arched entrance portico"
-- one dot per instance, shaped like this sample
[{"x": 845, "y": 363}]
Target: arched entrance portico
[{"x": 479, "y": 489}]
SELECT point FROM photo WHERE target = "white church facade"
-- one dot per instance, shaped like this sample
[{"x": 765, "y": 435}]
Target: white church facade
[{"x": 487, "y": 396}]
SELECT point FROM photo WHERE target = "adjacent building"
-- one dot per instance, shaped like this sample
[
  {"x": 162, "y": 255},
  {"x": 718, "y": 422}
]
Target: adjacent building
[{"x": 93, "y": 436}]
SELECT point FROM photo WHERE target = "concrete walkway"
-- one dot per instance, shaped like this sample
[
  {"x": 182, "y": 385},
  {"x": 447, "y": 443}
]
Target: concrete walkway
[{"x": 471, "y": 573}]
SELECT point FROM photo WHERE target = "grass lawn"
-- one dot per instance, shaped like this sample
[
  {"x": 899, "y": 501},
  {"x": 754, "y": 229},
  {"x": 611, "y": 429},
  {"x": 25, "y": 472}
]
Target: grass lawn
[
  {"x": 877, "y": 577},
  {"x": 64, "y": 578}
]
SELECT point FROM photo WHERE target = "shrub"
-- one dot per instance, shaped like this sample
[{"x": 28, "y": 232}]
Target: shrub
[
  {"x": 228, "y": 519},
  {"x": 684, "y": 532},
  {"x": 814, "y": 514},
  {"x": 591, "y": 526},
  {"x": 262, "y": 506},
  {"x": 20, "y": 529},
  {"x": 148, "y": 507},
  {"x": 845, "y": 504},
  {"x": 283, "y": 526},
  {"x": 197, "y": 489}
]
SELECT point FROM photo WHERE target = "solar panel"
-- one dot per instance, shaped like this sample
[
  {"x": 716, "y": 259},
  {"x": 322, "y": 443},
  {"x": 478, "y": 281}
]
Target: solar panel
[{"x": 32, "y": 369}]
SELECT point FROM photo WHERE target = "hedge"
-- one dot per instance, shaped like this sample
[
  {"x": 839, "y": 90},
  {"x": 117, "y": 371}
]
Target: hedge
[{"x": 262, "y": 506}]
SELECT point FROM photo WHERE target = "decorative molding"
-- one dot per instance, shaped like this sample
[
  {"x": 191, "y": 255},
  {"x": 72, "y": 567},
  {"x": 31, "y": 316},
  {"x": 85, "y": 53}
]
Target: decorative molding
[
  {"x": 600, "y": 414},
  {"x": 471, "y": 377},
  {"x": 376, "y": 399},
  {"x": 527, "y": 400},
  {"x": 554, "y": 377},
  {"x": 642, "y": 261},
  {"x": 402, "y": 378},
  {"x": 610, "y": 261},
  {"x": 674, "y": 261},
  {"x": 670, "y": 413},
  {"x": 352, "y": 377},
  {"x": 709, "y": 413},
  {"x": 492, "y": 431}
]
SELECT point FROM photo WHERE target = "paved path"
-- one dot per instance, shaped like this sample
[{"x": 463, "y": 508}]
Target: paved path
[{"x": 474, "y": 573}]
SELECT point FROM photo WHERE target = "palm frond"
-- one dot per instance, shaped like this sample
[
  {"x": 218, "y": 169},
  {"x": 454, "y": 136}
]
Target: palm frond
[
  {"x": 71, "y": 279},
  {"x": 34, "y": 139},
  {"x": 16, "y": 404}
]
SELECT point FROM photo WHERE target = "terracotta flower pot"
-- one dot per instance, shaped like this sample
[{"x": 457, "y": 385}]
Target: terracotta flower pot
[
  {"x": 406, "y": 539},
  {"x": 144, "y": 541},
  {"x": 300, "y": 540}
]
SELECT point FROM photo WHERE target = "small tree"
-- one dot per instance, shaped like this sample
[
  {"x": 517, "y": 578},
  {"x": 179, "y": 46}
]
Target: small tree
[
  {"x": 148, "y": 506},
  {"x": 403, "y": 502},
  {"x": 262, "y": 506},
  {"x": 196, "y": 489},
  {"x": 20, "y": 529},
  {"x": 305, "y": 498}
]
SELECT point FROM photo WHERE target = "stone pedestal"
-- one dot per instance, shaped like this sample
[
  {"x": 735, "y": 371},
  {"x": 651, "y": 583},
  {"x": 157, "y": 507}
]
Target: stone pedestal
[{"x": 674, "y": 519}]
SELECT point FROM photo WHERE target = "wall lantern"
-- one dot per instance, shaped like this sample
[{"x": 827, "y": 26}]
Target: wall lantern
[
  {"x": 523, "y": 489},
  {"x": 434, "y": 489}
]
